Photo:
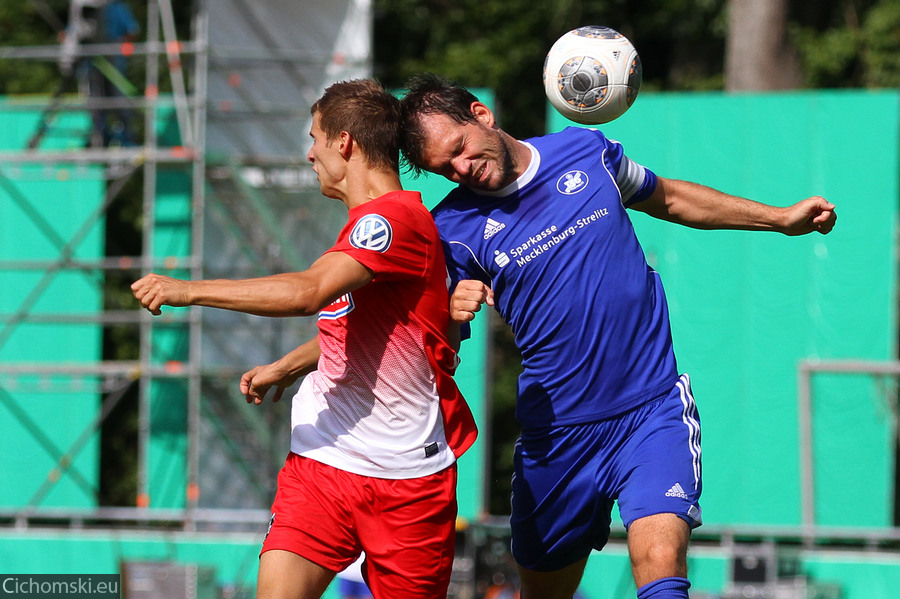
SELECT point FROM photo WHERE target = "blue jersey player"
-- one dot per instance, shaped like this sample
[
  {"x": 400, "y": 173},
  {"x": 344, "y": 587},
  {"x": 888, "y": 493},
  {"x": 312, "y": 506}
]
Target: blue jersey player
[{"x": 539, "y": 229}]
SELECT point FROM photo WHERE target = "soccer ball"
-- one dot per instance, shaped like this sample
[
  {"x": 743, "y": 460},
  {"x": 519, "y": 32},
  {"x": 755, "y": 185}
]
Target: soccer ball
[{"x": 592, "y": 75}]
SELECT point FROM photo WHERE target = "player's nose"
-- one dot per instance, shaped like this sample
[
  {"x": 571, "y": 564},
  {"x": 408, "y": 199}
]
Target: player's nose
[{"x": 461, "y": 166}]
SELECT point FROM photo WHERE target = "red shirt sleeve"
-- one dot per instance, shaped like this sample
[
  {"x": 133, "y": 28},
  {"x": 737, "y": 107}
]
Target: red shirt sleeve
[{"x": 390, "y": 236}]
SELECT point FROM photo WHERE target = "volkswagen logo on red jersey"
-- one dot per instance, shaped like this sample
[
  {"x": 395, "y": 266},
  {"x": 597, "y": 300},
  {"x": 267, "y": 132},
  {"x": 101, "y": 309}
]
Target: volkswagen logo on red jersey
[
  {"x": 372, "y": 232},
  {"x": 572, "y": 182}
]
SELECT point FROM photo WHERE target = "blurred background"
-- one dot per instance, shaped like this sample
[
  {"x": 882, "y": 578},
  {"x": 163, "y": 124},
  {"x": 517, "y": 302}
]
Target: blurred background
[{"x": 140, "y": 136}]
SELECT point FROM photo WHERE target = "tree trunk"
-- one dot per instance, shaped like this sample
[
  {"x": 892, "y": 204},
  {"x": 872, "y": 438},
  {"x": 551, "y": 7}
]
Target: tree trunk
[{"x": 758, "y": 55}]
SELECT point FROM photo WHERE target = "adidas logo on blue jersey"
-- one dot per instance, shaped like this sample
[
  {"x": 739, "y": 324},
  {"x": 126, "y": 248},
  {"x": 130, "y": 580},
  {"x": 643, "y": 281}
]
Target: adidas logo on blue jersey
[
  {"x": 677, "y": 491},
  {"x": 492, "y": 227}
]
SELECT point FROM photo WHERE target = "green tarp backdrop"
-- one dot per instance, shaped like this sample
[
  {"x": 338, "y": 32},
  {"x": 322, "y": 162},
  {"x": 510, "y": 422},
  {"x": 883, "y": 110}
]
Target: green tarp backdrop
[
  {"x": 747, "y": 307},
  {"x": 48, "y": 212}
]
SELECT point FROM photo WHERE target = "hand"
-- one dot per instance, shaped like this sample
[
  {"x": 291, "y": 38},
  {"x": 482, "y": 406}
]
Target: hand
[
  {"x": 255, "y": 383},
  {"x": 467, "y": 299},
  {"x": 811, "y": 214},
  {"x": 154, "y": 291}
]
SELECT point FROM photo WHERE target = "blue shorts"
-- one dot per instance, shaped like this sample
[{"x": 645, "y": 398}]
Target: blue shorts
[{"x": 567, "y": 477}]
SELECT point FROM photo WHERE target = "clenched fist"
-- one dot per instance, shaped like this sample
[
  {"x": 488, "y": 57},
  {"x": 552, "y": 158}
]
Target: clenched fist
[{"x": 155, "y": 291}]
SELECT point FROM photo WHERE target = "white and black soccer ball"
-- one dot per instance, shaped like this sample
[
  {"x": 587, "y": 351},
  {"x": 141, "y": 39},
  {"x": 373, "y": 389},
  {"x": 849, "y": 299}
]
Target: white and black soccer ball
[{"x": 592, "y": 75}]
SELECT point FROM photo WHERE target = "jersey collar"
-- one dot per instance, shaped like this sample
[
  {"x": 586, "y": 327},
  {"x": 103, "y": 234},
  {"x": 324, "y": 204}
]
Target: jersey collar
[{"x": 523, "y": 179}]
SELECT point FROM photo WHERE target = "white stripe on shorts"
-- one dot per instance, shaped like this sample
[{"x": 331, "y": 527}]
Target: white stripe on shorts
[{"x": 690, "y": 419}]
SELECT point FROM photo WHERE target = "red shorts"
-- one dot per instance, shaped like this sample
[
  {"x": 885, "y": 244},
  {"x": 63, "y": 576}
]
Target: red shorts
[{"x": 406, "y": 527}]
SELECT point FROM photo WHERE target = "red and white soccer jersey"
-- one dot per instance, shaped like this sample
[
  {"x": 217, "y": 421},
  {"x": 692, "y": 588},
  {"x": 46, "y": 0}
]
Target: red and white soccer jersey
[{"x": 383, "y": 402}]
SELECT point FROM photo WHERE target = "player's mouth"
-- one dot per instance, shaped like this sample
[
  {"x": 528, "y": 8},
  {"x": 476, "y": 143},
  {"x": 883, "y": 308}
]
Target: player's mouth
[{"x": 480, "y": 175}]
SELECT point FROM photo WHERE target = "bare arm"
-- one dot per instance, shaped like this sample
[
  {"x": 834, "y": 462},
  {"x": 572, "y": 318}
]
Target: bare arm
[
  {"x": 281, "y": 373},
  {"x": 289, "y": 294},
  {"x": 702, "y": 207}
]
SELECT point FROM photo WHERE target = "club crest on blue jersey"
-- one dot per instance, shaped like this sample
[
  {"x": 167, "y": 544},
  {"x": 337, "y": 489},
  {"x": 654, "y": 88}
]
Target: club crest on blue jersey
[
  {"x": 372, "y": 232},
  {"x": 572, "y": 182},
  {"x": 339, "y": 307}
]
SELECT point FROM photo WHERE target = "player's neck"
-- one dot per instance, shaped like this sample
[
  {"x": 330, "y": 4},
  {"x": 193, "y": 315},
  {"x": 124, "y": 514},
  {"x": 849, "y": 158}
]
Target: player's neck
[
  {"x": 521, "y": 156},
  {"x": 372, "y": 184}
]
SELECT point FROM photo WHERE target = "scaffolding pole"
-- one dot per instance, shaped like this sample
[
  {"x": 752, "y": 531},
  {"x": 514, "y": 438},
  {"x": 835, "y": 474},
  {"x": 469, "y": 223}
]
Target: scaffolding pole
[{"x": 252, "y": 87}]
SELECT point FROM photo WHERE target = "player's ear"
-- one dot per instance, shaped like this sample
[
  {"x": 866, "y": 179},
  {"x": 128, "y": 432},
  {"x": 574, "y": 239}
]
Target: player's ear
[
  {"x": 482, "y": 114},
  {"x": 345, "y": 144}
]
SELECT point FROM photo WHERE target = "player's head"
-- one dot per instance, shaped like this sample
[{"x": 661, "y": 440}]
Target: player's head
[
  {"x": 370, "y": 115},
  {"x": 430, "y": 94},
  {"x": 446, "y": 130}
]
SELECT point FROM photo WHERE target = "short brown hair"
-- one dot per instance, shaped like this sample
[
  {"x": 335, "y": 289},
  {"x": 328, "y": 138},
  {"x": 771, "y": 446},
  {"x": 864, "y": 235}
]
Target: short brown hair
[{"x": 371, "y": 115}]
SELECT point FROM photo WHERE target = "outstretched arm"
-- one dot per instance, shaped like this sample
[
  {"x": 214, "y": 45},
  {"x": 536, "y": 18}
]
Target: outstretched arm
[
  {"x": 702, "y": 207},
  {"x": 281, "y": 373},
  {"x": 289, "y": 294}
]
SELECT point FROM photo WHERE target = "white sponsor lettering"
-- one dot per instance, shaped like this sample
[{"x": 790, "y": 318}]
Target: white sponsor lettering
[{"x": 539, "y": 243}]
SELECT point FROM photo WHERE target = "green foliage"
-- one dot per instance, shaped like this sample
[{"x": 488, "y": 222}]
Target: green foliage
[
  {"x": 502, "y": 45},
  {"x": 861, "y": 50},
  {"x": 22, "y": 25},
  {"x": 881, "y": 45},
  {"x": 118, "y": 452},
  {"x": 499, "y": 45},
  {"x": 40, "y": 23},
  {"x": 829, "y": 58}
]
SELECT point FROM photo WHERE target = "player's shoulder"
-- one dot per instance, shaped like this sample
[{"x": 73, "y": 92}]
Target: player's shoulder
[
  {"x": 398, "y": 213},
  {"x": 570, "y": 134},
  {"x": 401, "y": 204},
  {"x": 456, "y": 203},
  {"x": 571, "y": 140},
  {"x": 404, "y": 199}
]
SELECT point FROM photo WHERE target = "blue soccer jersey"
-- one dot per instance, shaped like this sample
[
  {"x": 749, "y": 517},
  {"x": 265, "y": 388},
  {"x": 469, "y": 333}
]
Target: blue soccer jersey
[{"x": 569, "y": 276}]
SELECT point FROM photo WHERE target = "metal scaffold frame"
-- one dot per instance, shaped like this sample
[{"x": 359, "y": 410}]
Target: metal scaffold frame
[{"x": 240, "y": 176}]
